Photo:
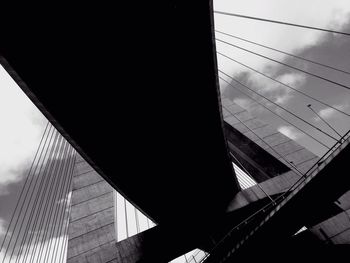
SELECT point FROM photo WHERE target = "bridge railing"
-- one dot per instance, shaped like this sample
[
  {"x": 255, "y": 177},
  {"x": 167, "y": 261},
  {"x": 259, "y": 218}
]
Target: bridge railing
[{"x": 257, "y": 219}]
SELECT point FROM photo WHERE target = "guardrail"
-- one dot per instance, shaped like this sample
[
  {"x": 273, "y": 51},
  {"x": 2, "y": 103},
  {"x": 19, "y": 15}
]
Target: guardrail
[{"x": 268, "y": 210}]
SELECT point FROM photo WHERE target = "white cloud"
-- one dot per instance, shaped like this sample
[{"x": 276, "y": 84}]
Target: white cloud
[
  {"x": 21, "y": 127},
  {"x": 327, "y": 113},
  {"x": 273, "y": 90},
  {"x": 333, "y": 15},
  {"x": 328, "y": 14},
  {"x": 243, "y": 102},
  {"x": 290, "y": 132},
  {"x": 293, "y": 79}
]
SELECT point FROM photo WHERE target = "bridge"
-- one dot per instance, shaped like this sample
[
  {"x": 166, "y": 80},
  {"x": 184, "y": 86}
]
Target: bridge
[{"x": 138, "y": 99}]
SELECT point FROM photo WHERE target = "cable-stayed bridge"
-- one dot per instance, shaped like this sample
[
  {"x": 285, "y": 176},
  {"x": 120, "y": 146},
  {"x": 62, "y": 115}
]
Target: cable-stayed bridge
[{"x": 138, "y": 110}]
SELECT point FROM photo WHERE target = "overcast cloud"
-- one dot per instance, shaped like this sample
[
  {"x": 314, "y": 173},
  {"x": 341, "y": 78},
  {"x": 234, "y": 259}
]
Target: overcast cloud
[
  {"x": 323, "y": 47},
  {"x": 21, "y": 128}
]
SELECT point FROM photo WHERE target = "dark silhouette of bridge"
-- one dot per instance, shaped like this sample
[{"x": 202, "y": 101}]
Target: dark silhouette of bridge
[{"x": 134, "y": 89}]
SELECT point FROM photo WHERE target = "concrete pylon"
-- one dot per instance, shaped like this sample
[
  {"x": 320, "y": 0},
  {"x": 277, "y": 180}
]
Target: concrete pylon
[
  {"x": 281, "y": 149},
  {"x": 91, "y": 231},
  {"x": 91, "y": 235}
]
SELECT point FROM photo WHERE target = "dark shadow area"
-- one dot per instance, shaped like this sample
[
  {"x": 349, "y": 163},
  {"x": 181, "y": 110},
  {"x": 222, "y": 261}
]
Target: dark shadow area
[
  {"x": 259, "y": 163},
  {"x": 134, "y": 89}
]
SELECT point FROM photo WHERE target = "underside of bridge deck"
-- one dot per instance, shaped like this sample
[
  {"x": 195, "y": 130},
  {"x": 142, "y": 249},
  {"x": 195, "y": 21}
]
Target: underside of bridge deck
[{"x": 134, "y": 89}]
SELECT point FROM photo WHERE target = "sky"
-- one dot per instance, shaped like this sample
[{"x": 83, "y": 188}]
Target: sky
[
  {"x": 21, "y": 123},
  {"x": 327, "y": 48},
  {"x": 21, "y": 127}
]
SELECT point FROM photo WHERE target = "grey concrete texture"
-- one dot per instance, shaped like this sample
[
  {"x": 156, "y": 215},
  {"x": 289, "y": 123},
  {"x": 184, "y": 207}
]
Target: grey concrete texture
[
  {"x": 91, "y": 222},
  {"x": 335, "y": 230},
  {"x": 91, "y": 190},
  {"x": 128, "y": 249},
  {"x": 231, "y": 120},
  {"x": 91, "y": 232},
  {"x": 344, "y": 201},
  {"x": 225, "y": 112},
  {"x": 91, "y": 229},
  {"x": 268, "y": 138},
  {"x": 80, "y": 245},
  {"x": 81, "y": 168},
  {"x": 273, "y": 186},
  {"x": 252, "y": 136},
  {"x": 278, "y": 145},
  {"x": 85, "y": 179},
  {"x": 300, "y": 156},
  {"x": 276, "y": 139},
  {"x": 91, "y": 206},
  {"x": 106, "y": 253},
  {"x": 287, "y": 148},
  {"x": 102, "y": 254}
]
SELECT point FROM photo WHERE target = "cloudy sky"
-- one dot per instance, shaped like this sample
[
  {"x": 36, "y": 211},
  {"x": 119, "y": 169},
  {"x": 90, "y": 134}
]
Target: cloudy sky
[
  {"x": 326, "y": 48},
  {"x": 22, "y": 124}
]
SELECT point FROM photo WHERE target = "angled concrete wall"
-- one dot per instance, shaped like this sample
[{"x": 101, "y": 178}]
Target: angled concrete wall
[
  {"x": 277, "y": 144},
  {"x": 91, "y": 234},
  {"x": 336, "y": 229},
  {"x": 92, "y": 221}
]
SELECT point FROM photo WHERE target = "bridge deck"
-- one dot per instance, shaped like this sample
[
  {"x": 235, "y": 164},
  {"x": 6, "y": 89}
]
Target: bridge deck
[
  {"x": 304, "y": 205},
  {"x": 136, "y": 94}
]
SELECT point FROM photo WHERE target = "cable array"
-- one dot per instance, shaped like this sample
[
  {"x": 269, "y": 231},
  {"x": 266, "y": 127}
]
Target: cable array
[
  {"x": 281, "y": 22},
  {"x": 268, "y": 102},
  {"x": 285, "y": 53},
  {"x": 287, "y": 65},
  {"x": 37, "y": 231},
  {"x": 275, "y": 113}
]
